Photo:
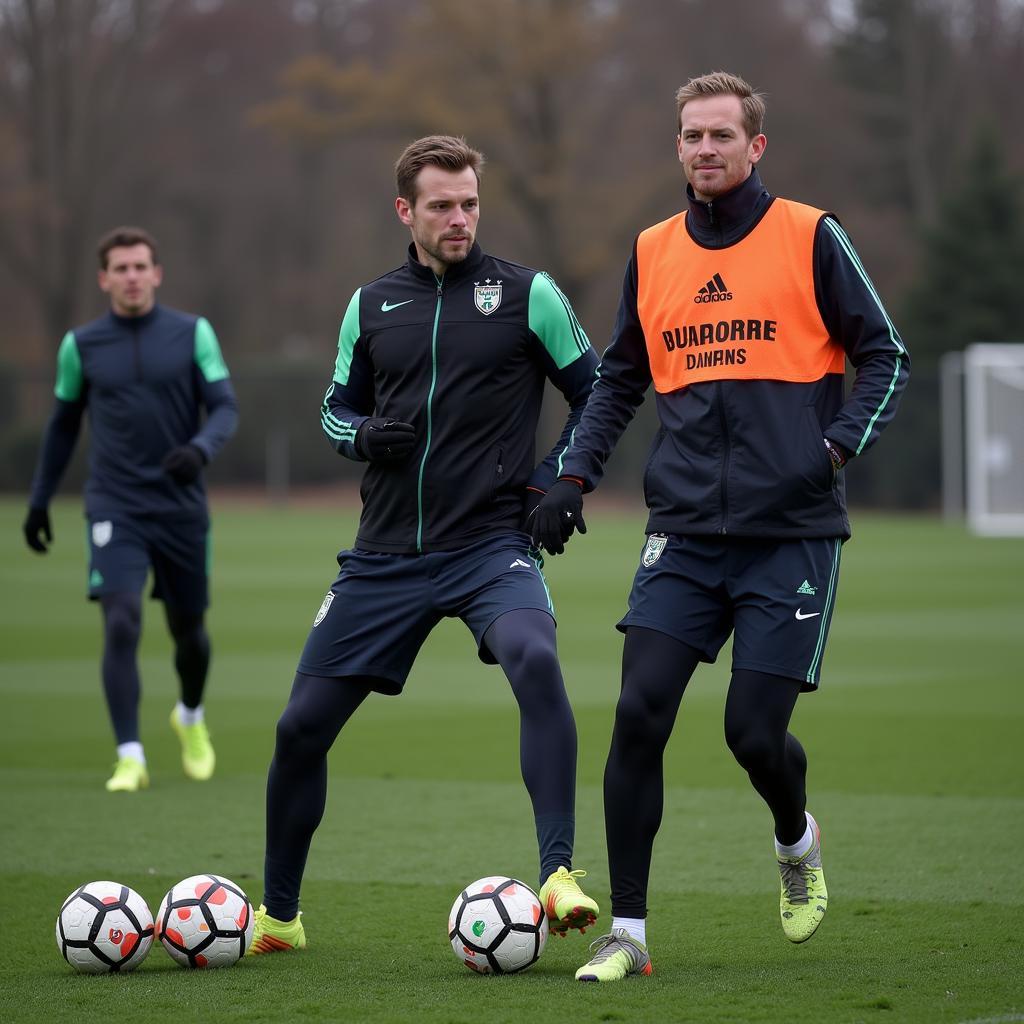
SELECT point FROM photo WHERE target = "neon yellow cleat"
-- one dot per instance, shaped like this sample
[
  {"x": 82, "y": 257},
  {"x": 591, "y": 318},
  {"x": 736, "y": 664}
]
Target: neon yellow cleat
[
  {"x": 804, "y": 898},
  {"x": 272, "y": 936},
  {"x": 197, "y": 756},
  {"x": 616, "y": 956},
  {"x": 129, "y": 776},
  {"x": 565, "y": 903}
]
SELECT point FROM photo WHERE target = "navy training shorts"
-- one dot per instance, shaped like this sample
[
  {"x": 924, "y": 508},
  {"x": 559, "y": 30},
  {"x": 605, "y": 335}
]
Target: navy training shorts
[
  {"x": 122, "y": 550},
  {"x": 776, "y": 596},
  {"x": 381, "y": 607}
]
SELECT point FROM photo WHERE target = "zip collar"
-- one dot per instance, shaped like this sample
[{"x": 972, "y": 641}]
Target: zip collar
[
  {"x": 455, "y": 271},
  {"x": 725, "y": 220},
  {"x": 135, "y": 322}
]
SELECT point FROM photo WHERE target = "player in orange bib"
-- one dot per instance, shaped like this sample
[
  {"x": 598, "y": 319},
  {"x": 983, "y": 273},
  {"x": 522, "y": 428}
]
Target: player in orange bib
[{"x": 742, "y": 311}]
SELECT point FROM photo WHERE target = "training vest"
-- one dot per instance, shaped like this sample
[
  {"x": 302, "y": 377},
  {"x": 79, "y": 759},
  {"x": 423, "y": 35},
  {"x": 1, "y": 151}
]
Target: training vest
[{"x": 745, "y": 312}]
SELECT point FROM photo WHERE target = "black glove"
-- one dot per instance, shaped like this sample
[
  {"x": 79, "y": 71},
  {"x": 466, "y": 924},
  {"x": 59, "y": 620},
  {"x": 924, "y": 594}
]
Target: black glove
[
  {"x": 37, "y": 521},
  {"x": 383, "y": 440},
  {"x": 531, "y": 499},
  {"x": 559, "y": 513},
  {"x": 184, "y": 463}
]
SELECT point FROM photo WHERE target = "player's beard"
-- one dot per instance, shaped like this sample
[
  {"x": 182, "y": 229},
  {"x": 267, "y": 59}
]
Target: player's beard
[{"x": 439, "y": 254}]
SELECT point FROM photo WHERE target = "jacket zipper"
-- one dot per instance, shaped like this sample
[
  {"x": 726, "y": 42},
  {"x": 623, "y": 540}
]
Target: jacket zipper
[
  {"x": 430, "y": 418},
  {"x": 726, "y": 452},
  {"x": 137, "y": 351}
]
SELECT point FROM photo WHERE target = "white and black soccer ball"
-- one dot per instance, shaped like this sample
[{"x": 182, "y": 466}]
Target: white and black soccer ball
[
  {"x": 497, "y": 926},
  {"x": 205, "y": 921},
  {"x": 104, "y": 928}
]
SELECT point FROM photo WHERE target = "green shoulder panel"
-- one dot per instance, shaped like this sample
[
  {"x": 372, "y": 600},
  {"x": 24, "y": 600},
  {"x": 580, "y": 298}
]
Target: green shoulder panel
[
  {"x": 207, "y": 353},
  {"x": 554, "y": 322},
  {"x": 347, "y": 337},
  {"x": 69, "y": 370}
]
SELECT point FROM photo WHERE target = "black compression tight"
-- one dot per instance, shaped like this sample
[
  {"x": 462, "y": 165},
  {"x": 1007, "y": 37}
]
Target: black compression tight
[
  {"x": 757, "y": 713},
  {"x": 122, "y": 627},
  {"x": 524, "y": 644},
  {"x": 191, "y": 653},
  {"x": 523, "y": 641},
  {"x": 297, "y": 783},
  {"x": 655, "y": 671}
]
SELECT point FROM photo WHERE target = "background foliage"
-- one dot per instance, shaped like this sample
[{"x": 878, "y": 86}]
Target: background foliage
[{"x": 257, "y": 142}]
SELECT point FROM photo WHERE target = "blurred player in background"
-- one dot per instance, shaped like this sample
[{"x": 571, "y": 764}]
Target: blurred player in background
[
  {"x": 742, "y": 312},
  {"x": 145, "y": 373},
  {"x": 438, "y": 386}
]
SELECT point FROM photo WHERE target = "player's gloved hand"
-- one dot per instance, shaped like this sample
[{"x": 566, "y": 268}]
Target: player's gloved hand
[
  {"x": 37, "y": 522},
  {"x": 559, "y": 513},
  {"x": 383, "y": 440},
  {"x": 184, "y": 463}
]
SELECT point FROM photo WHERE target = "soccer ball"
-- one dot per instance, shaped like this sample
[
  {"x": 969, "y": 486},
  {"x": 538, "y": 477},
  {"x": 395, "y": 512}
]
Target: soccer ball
[
  {"x": 103, "y": 928},
  {"x": 205, "y": 921},
  {"x": 497, "y": 926}
]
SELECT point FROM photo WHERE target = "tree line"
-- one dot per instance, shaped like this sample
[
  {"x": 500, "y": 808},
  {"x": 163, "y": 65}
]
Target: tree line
[{"x": 256, "y": 141}]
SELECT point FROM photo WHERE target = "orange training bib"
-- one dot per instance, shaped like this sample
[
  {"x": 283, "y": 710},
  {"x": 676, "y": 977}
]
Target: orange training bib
[{"x": 746, "y": 312}]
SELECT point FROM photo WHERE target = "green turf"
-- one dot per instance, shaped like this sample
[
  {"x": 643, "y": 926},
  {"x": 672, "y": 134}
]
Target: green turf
[{"x": 916, "y": 776}]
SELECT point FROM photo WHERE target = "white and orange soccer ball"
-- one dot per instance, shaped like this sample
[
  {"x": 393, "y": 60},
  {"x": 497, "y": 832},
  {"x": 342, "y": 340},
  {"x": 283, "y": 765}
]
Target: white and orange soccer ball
[
  {"x": 104, "y": 928},
  {"x": 497, "y": 926},
  {"x": 205, "y": 921}
]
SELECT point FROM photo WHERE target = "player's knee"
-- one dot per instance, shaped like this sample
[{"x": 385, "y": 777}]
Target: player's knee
[
  {"x": 122, "y": 625},
  {"x": 754, "y": 749},
  {"x": 536, "y": 660},
  {"x": 298, "y": 737},
  {"x": 192, "y": 642},
  {"x": 637, "y": 724}
]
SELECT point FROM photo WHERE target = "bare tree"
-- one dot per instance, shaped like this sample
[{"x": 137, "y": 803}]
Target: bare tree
[{"x": 64, "y": 106}]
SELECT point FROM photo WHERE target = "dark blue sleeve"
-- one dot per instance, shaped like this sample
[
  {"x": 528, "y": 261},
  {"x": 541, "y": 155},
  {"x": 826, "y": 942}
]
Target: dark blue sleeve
[
  {"x": 221, "y": 406},
  {"x": 58, "y": 447},
  {"x": 623, "y": 378},
  {"x": 576, "y": 382},
  {"x": 854, "y": 315}
]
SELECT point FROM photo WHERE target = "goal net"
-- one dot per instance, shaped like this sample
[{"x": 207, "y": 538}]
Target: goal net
[{"x": 994, "y": 438}]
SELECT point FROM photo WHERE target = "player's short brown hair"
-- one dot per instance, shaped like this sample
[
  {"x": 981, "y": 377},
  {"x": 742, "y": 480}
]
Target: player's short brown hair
[
  {"x": 449, "y": 152},
  {"x": 721, "y": 83},
  {"x": 122, "y": 237}
]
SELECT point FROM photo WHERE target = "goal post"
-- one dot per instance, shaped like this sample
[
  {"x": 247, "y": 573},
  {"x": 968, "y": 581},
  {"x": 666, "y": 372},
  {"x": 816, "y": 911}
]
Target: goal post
[{"x": 994, "y": 438}]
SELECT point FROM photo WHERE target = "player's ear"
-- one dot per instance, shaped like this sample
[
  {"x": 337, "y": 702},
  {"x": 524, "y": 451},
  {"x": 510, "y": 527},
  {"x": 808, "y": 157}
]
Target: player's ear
[{"x": 404, "y": 210}]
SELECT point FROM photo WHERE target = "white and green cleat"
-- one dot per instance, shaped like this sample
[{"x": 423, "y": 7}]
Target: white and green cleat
[
  {"x": 565, "y": 903},
  {"x": 804, "y": 898},
  {"x": 197, "y": 756},
  {"x": 272, "y": 936},
  {"x": 129, "y": 776},
  {"x": 616, "y": 956}
]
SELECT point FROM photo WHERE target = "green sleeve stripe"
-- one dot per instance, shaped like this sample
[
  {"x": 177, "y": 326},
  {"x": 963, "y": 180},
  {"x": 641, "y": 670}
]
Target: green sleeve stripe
[
  {"x": 337, "y": 430},
  {"x": 207, "y": 353},
  {"x": 847, "y": 246},
  {"x": 347, "y": 338},
  {"x": 69, "y": 370},
  {"x": 551, "y": 318}
]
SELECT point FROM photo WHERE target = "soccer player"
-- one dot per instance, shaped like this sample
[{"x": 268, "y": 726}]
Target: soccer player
[
  {"x": 742, "y": 311},
  {"x": 144, "y": 373},
  {"x": 437, "y": 386}
]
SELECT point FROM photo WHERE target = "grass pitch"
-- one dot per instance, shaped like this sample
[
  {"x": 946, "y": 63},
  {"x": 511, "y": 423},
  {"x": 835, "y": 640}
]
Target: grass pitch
[{"x": 916, "y": 775}]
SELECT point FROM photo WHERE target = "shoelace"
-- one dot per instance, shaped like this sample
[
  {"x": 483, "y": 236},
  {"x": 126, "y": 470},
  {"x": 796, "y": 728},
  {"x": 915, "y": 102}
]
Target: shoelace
[
  {"x": 609, "y": 946},
  {"x": 794, "y": 879},
  {"x": 570, "y": 878}
]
